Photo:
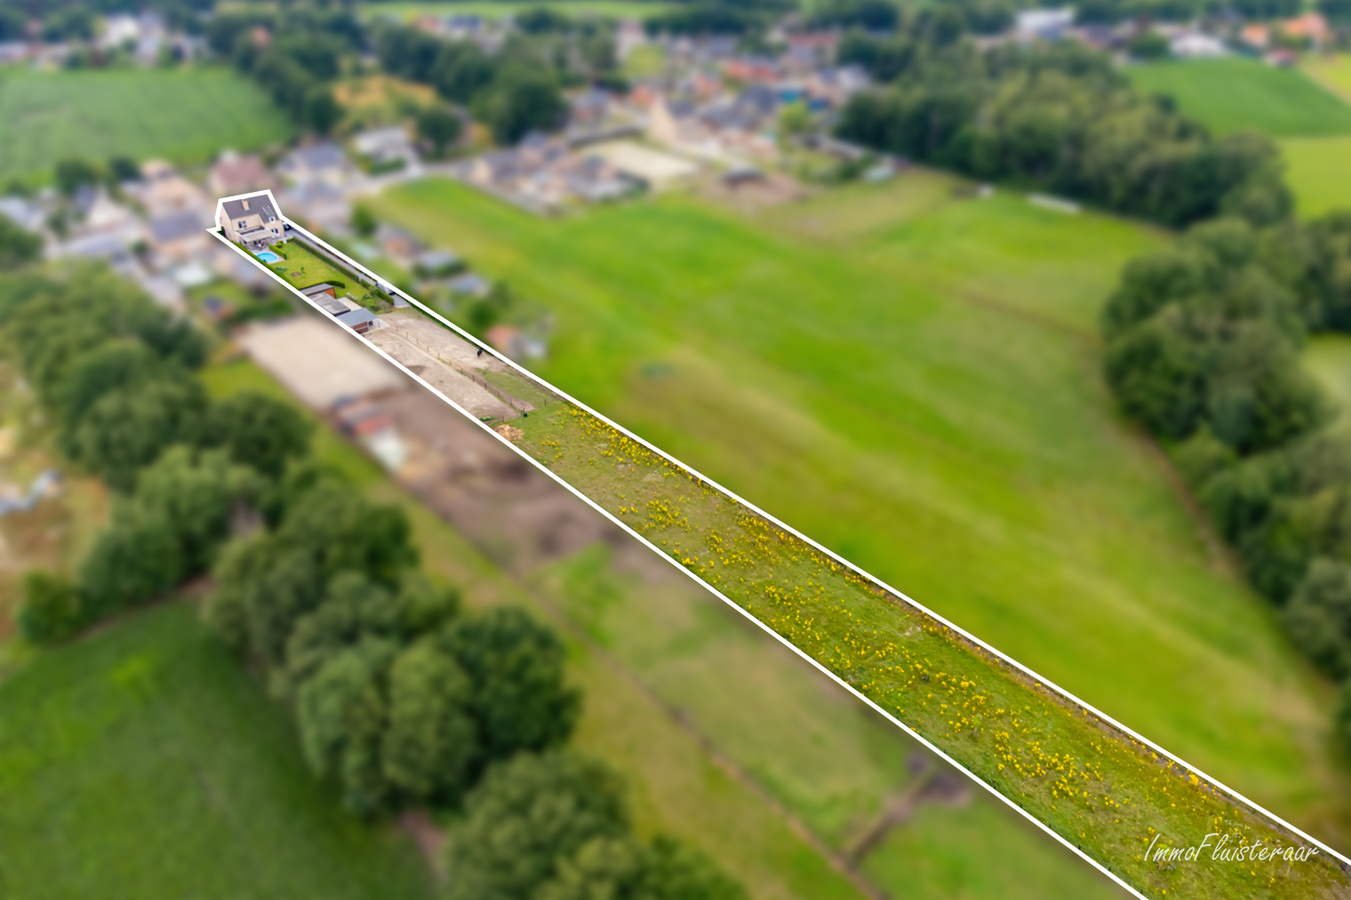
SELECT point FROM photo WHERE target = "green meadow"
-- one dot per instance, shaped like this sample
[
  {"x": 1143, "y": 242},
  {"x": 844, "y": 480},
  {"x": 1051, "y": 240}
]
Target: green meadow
[
  {"x": 1234, "y": 94},
  {"x": 819, "y": 752},
  {"x": 913, "y": 379},
  {"x": 1334, "y": 71},
  {"x": 186, "y": 116},
  {"x": 1316, "y": 171},
  {"x": 142, "y": 761}
]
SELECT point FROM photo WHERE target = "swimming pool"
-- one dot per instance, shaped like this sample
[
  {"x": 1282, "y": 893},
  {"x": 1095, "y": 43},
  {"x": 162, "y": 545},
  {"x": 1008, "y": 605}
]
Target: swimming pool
[{"x": 268, "y": 257}]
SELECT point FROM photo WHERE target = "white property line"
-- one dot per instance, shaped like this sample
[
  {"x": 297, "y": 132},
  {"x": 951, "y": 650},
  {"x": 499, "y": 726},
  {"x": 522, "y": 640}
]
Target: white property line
[{"x": 1039, "y": 680}]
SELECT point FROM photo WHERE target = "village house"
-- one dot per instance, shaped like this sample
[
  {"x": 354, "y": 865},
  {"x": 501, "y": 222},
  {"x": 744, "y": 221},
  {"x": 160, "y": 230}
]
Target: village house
[
  {"x": 320, "y": 205},
  {"x": 386, "y": 148},
  {"x": 238, "y": 173},
  {"x": 177, "y": 237},
  {"x": 252, "y": 221},
  {"x": 322, "y": 162},
  {"x": 163, "y": 190}
]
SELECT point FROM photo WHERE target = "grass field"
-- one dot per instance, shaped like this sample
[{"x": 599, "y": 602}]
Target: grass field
[
  {"x": 144, "y": 762},
  {"x": 496, "y": 9},
  {"x": 676, "y": 788},
  {"x": 184, "y": 116},
  {"x": 914, "y": 381},
  {"x": 1333, "y": 71},
  {"x": 1316, "y": 170},
  {"x": 1233, "y": 94},
  {"x": 821, "y": 753}
]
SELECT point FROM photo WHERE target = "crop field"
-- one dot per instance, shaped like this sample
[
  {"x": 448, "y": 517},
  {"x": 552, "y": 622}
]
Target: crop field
[
  {"x": 185, "y": 116},
  {"x": 1233, "y": 94},
  {"x": 1316, "y": 170},
  {"x": 143, "y": 762},
  {"x": 914, "y": 380}
]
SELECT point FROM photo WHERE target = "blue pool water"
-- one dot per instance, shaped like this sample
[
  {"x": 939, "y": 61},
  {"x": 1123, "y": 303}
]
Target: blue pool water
[{"x": 268, "y": 257}]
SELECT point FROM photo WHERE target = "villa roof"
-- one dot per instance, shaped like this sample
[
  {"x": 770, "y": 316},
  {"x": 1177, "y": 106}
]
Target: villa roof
[{"x": 252, "y": 205}]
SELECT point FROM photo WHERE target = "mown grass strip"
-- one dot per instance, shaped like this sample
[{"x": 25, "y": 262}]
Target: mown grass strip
[{"x": 1107, "y": 794}]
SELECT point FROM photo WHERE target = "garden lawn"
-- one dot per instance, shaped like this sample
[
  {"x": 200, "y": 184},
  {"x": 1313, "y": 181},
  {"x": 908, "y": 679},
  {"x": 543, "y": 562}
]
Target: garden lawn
[
  {"x": 914, "y": 380},
  {"x": 302, "y": 268},
  {"x": 1317, "y": 171},
  {"x": 184, "y": 116},
  {"x": 1233, "y": 94},
  {"x": 142, "y": 761}
]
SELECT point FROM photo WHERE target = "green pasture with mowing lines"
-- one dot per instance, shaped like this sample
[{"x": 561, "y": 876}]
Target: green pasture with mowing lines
[
  {"x": 1316, "y": 169},
  {"x": 1234, "y": 94},
  {"x": 142, "y": 761},
  {"x": 821, "y": 753},
  {"x": 186, "y": 116},
  {"x": 493, "y": 9},
  {"x": 923, "y": 395}
]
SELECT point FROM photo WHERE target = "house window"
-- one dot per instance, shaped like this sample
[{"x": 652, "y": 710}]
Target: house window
[{"x": 242, "y": 223}]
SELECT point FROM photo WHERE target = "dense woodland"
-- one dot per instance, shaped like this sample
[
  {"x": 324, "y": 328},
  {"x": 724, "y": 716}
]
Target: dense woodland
[
  {"x": 1203, "y": 342},
  {"x": 402, "y": 698},
  {"x": 1058, "y": 118}
]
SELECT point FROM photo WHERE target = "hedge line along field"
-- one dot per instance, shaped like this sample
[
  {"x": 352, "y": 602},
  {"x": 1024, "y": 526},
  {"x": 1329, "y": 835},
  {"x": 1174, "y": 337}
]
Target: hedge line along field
[
  {"x": 143, "y": 761},
  {"x": 1234, "y": 93},
  {"x": 914, "y": 380},
  {"x": 184, "y": 115}
]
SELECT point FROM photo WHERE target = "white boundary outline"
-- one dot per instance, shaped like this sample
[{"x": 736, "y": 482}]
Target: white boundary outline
[{"x": 1271, "y": 817}]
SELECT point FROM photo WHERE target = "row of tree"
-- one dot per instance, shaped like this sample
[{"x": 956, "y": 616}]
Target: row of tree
[
  {"x": 1059, "y": 118},
  {"x": 402, "y": 699},
  {"x": 1203, "y": 342},
  {"x": 295, "y": 53},
  {"x": 518, "y": 88}
]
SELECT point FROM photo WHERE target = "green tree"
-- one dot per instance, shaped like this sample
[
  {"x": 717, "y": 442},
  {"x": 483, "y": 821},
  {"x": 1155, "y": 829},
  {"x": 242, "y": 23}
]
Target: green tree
[
  {"x": 322, "y": 110},
  {"x": 136, "y": 560},
  {"x": 519, "y": 698},
  {"x": 198, "y": 492},
  {"x": 130, "y": 426},
  {"x": 18, "y": 246},
  {"x": 258, "y": 431},
  {"x": 1318, "y": 616},
  {"x": 342, "y": 714},
  {"x": 431, "y": 741},
  {"x": 520, "y": 101},
  {"x": 1149, "y": 44},
  {"x": 50, "y": 609},
  {"x": 364, "y": 222},
  {"x": 439, "y": 126},
  {"x": 72, "y": 173},
  {"x": 525, "y": 818}
]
